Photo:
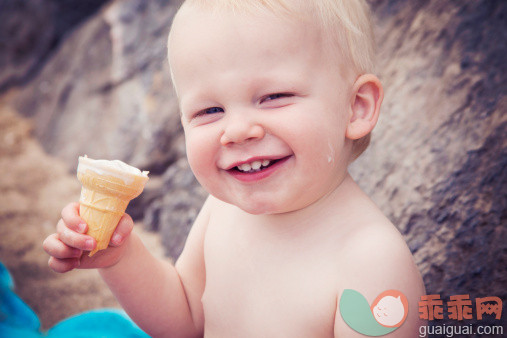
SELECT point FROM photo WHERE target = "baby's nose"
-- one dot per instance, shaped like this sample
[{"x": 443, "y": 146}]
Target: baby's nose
[{"x": 239, "y": 129}]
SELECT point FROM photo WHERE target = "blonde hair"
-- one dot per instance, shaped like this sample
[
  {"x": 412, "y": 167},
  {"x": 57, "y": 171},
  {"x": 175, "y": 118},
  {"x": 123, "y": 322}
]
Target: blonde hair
[{"x": 347, "y": 22}]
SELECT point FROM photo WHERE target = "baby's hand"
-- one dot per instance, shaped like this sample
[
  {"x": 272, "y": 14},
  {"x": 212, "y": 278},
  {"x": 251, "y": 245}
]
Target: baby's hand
[{"x": 67, "y": 245}]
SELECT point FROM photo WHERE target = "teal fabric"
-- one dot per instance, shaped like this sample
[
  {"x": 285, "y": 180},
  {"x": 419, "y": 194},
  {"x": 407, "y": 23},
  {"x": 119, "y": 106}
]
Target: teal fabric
[
  {"x": 14, "y": 313},
  {"x": 17, "y": 319}
]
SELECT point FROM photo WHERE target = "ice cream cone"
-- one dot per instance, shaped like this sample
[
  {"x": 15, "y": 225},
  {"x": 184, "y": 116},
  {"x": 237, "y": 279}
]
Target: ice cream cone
[{"x": 106, "y": 191}]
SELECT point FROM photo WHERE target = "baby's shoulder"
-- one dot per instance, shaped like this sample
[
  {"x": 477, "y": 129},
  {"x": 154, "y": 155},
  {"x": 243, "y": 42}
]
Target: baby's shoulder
[
  {"x": 379, "y": 236},
  {"x": 377, "y": 262},
  {"x": 376, "y": 258},
  {"x": 377, "y": 247}
]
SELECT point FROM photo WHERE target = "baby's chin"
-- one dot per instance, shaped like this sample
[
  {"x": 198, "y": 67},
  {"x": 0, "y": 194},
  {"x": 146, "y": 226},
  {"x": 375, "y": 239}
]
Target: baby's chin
[
  {"x": 253, "y": 206},
  {"x": 267, "y": 207},
  {"x": 258, "y": 208}
]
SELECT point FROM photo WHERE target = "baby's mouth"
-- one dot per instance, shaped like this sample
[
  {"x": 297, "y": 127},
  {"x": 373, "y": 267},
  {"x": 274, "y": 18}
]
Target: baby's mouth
[{"x": 254, "y": 166}]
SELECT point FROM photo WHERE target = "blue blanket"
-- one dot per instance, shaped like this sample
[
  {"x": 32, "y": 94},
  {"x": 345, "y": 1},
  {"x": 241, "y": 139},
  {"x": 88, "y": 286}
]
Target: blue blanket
[{"x": 18, "y": 320}]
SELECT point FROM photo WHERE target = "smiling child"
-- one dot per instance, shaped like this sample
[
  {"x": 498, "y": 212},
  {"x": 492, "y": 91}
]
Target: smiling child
[{"x": 277, "y": 99}]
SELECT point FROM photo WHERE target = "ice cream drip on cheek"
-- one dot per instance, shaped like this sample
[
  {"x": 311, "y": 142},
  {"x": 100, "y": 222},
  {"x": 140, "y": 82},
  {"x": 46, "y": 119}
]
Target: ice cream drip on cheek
[{"x": 331, "y": 154}]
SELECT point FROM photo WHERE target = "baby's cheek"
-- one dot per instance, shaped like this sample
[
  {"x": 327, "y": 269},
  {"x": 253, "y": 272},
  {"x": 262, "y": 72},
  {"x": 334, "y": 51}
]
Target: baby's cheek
[
  {"x": 198, "y": 161},
  {"x": 199, "y": 154}
]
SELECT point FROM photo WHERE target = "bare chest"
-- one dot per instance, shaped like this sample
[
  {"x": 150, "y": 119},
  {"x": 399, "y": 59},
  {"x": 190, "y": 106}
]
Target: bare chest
[{"x": 267, "y": 286}]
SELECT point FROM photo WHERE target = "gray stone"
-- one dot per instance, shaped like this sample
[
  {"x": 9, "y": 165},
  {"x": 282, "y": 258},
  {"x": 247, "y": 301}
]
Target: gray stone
[
  {"x": 107, "y": 92},
  {"x": 436, "y": 165},
  {"x": 31, "y": 30}
]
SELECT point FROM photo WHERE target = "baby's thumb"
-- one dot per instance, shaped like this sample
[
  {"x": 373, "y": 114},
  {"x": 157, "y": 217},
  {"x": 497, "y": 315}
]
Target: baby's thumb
[{"x": 122, "y": 231}]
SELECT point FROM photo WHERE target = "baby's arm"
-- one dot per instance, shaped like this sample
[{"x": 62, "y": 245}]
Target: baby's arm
[
  {"x": 164, "y": 300},
  {"x": 377, "y": 259}
]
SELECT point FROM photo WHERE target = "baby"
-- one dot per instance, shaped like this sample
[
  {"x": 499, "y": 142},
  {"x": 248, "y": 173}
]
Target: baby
[{"x": 276, "y": 101}]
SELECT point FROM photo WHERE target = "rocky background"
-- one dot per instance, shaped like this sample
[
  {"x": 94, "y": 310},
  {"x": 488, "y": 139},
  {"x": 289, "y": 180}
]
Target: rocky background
[{"x": 91, "y": 77}]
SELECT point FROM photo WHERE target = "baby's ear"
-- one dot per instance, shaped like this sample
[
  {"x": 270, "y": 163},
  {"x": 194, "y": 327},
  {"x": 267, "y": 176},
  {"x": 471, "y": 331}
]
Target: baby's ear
[{"x": 367, "y": 96}]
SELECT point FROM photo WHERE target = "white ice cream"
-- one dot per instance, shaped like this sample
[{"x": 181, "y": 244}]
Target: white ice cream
[{"x": 114, "y": 168}]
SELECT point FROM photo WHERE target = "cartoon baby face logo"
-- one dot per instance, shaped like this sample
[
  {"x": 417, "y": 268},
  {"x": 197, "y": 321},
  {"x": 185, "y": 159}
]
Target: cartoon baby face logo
[
  {"x": 390, "y": 308},
  {"x": 387, "y": 312}
]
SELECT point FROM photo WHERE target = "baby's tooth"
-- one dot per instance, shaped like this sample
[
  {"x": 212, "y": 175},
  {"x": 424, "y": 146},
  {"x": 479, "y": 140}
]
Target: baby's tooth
[
  {"x": 256, "y": 165},
  {"x": 245, "y": 167},
  {"x": 265, "y": 163}
]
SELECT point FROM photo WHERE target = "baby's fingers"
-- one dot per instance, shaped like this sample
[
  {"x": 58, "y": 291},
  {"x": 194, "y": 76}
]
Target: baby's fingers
[
  {"x": 63, "y": 265},
  {"x": 122, "y": 231},
  {"x": 56, "y": 248},
  {"x": 74, "y": 239},
  {"x": 71, "y": 218}
]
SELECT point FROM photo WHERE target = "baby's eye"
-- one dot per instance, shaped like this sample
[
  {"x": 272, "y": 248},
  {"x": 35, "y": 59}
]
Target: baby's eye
[
  {"x": 209, "y": 111},
  {"x": 212, "y": 110},
  {"x": 275, "y": 96}
]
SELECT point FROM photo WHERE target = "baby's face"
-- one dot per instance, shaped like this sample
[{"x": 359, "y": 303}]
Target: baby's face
[{"x": 264, "y": 109}]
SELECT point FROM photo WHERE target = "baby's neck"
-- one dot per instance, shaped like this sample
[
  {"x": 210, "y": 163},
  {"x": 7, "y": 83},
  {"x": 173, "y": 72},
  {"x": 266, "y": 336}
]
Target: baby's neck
[{"x": 339, "y": 201}]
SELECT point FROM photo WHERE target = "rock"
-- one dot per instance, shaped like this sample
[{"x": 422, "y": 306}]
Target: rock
[
  {"x": 169, "y": 205},
  {"x": 27, "y": 47},
  {"x": 174, "y": 211},
  {"x": 436, "y": 164},
  {"x": 116, "y": 63}
]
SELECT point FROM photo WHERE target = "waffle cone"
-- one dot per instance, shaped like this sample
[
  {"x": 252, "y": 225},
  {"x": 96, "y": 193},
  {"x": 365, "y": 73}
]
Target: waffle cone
[{"x": 103, "y": 202}]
